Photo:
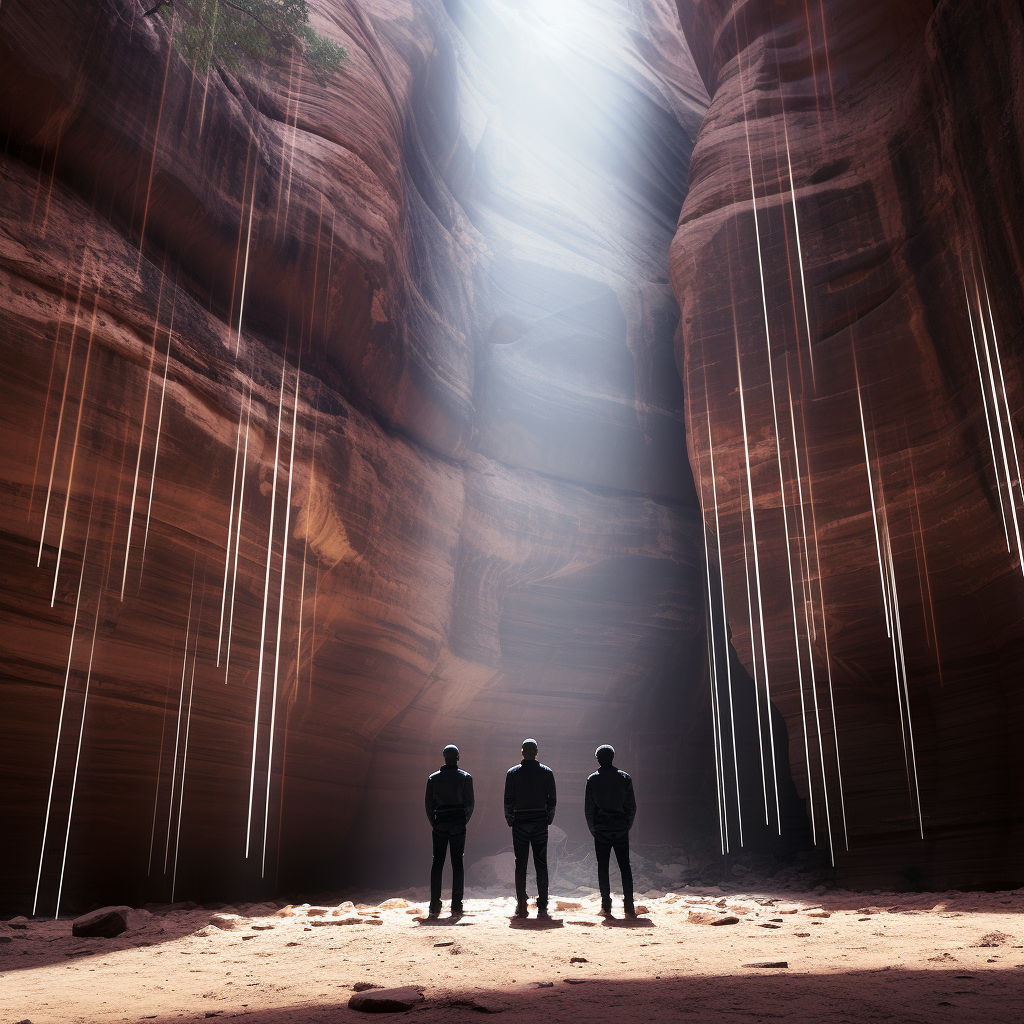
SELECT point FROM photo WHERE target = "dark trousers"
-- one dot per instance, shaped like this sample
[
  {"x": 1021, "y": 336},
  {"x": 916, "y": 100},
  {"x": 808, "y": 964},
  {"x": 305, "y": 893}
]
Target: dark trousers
[
  {"x": 525, "y": 835},
  {"x": 442, "y": 842},
  {"x": 603, "y": 846}
]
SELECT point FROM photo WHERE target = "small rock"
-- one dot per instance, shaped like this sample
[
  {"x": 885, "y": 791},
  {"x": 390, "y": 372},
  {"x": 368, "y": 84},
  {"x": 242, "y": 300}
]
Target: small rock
[
  {"x": 288, "y": 911},
  {"x": 819, "y": 913},
  {"x": 438, "y": 945},
  {"x": 769, "y": 963},
  {"x": 725, "y": 920},
  {"x": 386, "y": 1000},
  {"x": 318, "y": 911},
  {"x": 103, "y": 923},
  {"x": 544, "y": 984},
  {"x": 264, "y": 927},
  {"x": 993, "y": 939},
  {"x": 574, "y": 981},
  {"x": 395, "y": 903},
  {"x": 567, "y": 905},
  {"x": 578, "y": 960},
  {"x": 365, "y": 986},
  {"x": 225, "y": 921},
  {"x": 642, "y": 908}
]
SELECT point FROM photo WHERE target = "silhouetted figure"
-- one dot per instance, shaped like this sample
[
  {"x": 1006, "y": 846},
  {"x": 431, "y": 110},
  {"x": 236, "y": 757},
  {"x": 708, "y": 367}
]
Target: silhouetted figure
[
  {"x": 529, "y": 809},
  {"x": 449, "y": 804},
  {"x": 610, "y": 808}
]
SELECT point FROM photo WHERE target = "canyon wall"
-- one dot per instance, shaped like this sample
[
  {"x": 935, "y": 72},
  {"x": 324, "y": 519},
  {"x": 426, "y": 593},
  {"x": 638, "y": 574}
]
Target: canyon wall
[
  {"x": 848, "y": 268},
  {"x": 339, "y": 423}
]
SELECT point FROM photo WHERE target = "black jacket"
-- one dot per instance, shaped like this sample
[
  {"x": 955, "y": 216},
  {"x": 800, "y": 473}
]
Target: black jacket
[
  {"x": 609, "y": 805},
  {"x": 449, "y": 798},
  {"x": 529, "y": 793}
]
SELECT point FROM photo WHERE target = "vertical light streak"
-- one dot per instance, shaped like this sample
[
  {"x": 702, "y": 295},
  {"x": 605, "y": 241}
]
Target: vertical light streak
[
  {"x": 142, "y": 437},
  {"x": 716, "y": 724},
  {"x": 800, "y": 256},
  {"x": 238, "y": 538},
  {"x": 778, "y": 449},
  {"x": 231, "y": 520},
  {"x": 999, "y": 425},
  {"x": 74, "y": 454},
  {"x": 988, "y": 422},
  {"x": 159, "y": 766},
  {"x": 156, "y": 143},
  {"x": 725, "y": 618},
  {"x": 871, "y": 493},
  {"x": 78, "y": 752},
  {"x": 188, "y": 728},
  {"x": 245, "y": 266},
  {"x": 266, "y": 597},
  {"x": 177, "y": 733},
  {"x": 60, "y": 719},
  {"x": 159, "y": 427},
  {"x": 60, "y": 418},
  {"x": 280, "y": 608}
]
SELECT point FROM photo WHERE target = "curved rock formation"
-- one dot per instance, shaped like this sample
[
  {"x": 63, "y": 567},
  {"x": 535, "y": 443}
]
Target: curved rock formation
[
  {"x": 340, "y": 423},
  {"x": 848, "y": 267}
]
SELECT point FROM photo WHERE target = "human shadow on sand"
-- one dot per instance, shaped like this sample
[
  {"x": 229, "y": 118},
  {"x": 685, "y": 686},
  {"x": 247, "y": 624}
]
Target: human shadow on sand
[{"x": 537, "y": 924}]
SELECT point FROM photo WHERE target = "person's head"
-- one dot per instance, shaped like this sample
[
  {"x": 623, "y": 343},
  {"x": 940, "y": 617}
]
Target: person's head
[
  {"x": 605, "y": 754},
  {"x": 451, "y": 754},
  {"x": 530, "y": 749}
]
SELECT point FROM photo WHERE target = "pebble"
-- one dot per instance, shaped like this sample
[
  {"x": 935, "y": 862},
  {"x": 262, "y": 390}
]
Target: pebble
[{"x": 387, "y": 1000}]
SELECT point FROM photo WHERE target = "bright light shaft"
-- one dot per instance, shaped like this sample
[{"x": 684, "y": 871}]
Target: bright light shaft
[
  {"x": 231, "y": 520},
  {"x": 871, "y": 493},
  {"x": 245, "y": 266},
  {"x": 142, "y": 437},
  {"x": 78, "y": 753},
  {"x": 266, "y": 596},
  {"x": 60, "y": 719},
  {"x": 156, "y": 444},
  {"x": 280, "y": 606},
  {"x": 988, "y": 422},
  {"x": 799, "y": 255},
  {"x": 177, "y": 733},
  {"x": 238, "y": 537}
]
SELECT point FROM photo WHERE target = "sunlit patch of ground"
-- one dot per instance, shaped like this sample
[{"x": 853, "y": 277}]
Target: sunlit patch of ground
[{"x": 921, "y": 957}]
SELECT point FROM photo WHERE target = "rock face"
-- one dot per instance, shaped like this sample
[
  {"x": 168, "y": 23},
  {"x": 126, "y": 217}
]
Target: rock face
[
  {"x": 851, "y": 357},
  {"x": 339, "y": 424}
]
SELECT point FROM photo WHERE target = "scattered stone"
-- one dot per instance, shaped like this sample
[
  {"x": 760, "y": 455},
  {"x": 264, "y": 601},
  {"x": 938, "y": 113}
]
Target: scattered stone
[
  {"x": 642, "y": 908},
  {"x": 324, "y": 922},
  {"x": 104, "y": 923},
  {"x": 438, "y": 945},
  {"x": 387, "y": 1000},
  {"x": 574, "y": 981},
  {"x": 225, "y": 921},
  {"x": 770, "y": 925},
  {"x": 544, "y": 984},
  {"x": 288, "y": 911},
  {"x": 567, "y": 905},
  {"x": 730, "y": 919},
  {"x": 365, "y": 986},
  {"x": 265, "y": 927},
  {"x": 395, "y": 903},
  {"x": 993, "y": 939},
  {"x": 802, "y": 935},
  {"x": 818, "y": 913},
  {"x": 318, "y": 911},
  {"x": 769, "y": 963},
  {"x": 578, "y": 960},
  {"x": 414, "y": 910},
  {"x": 788, "y": 910}
]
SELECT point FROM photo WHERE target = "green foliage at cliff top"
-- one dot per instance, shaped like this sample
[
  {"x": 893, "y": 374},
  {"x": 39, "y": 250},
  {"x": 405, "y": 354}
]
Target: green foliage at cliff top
[{"x": 233, "y": 33}]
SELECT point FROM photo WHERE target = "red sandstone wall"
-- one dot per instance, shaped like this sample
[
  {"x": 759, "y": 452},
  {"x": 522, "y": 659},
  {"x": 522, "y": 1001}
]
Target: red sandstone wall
[
  {"x": 903, "y": 126},
  {"x": 491, "y": 528}
]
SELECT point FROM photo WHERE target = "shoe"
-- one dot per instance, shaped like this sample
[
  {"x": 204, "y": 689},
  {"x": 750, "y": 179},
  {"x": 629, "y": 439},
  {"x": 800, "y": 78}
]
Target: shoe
[
  {"x": 606, "y": 908},
  {"x": 457, "y": 910},
  {"x": 433, "y": 910},
  {"x": 542, "y": 911},
  {"x": 521, "y": 910},
  {"x": 630, "y": 910}
]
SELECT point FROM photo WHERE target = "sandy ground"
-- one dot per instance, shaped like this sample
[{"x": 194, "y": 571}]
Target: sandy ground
[{"x": 851, "y": 957}]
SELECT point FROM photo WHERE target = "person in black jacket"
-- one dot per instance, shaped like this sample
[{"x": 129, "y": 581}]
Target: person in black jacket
[
  {"x": 529, "y": 809},
  {"x": 449, "y": 804},
  {"x": 610, "y": 808}
]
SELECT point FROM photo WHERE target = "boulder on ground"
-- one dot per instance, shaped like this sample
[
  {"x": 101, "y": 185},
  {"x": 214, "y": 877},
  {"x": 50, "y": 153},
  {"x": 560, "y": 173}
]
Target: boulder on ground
[
  {"x": 104, "y": 923},
  {"x": 395, "y": 903},
  {"x": 225, "y": 921},
  {"x": 387, "y": 1000}
]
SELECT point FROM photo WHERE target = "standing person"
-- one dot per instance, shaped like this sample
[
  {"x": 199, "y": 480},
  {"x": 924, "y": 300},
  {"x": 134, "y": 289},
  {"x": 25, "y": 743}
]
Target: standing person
[
  {"x": 449, "y": 804},
  {"x": 610, "y": 808},
  {"x": 529, "y": 809}
]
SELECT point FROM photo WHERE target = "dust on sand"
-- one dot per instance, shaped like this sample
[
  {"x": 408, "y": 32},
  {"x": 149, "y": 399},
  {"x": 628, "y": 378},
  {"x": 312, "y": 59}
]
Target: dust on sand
[{"x": 851, "y": 957}]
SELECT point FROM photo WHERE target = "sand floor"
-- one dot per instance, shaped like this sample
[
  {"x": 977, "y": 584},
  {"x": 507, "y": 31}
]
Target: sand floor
[{"x": 851, "y": 957}]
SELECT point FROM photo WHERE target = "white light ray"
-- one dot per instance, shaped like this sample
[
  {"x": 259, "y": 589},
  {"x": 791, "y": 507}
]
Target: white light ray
[
  {"x": 231, "y": 521},
  {"x": 238, "y": 538}
]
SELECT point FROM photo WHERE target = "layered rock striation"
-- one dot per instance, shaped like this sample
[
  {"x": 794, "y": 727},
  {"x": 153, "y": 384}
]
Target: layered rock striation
[
  {"x": 848, "y": 268},
  {"x": 339, "y": 423}
]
